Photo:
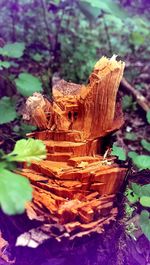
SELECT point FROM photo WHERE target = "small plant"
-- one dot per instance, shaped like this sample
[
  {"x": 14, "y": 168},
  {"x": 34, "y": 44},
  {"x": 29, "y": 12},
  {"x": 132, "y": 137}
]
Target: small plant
[
  {"x": 141, "y": 194},
  {"x": 129, "y": 209},
  {"x": 130, "y": 229},
  {"x": 119, "y": 152},
  {"x": 137, "y": 193},
  {"x": 140, "y": 161},
  {"x": 26, "y": 84},
  {"x": 15, "y": 190}
]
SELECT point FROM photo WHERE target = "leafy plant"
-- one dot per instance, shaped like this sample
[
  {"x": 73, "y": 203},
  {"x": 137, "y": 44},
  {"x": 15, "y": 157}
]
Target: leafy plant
[
  {"x": 7, "y": 110},
  {"x": 141, "y": 194},
  {"x": 129, "y": 209},
  {"x": 15, "y": 190},
  {"x": 27, "y": 150},
  {"x": 13, "y": 50},
  {"x": 145, "y": 223},
  {"x": 138, "y": 193},
  {"x": 145, "y": 144},
  {"x": 95, "y": 7},
  {"x": 27, "y": 84},
  {"x": 119, "y": 152},
  {"x": 141, "y": 161},
  {"x": 4, "y": 64}
]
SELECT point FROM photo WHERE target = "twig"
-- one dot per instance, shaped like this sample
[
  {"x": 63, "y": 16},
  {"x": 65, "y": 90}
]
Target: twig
[
  {"x": 141, "y": 100},
  {"x": 46, "y": 21},
  {"x": 107, "y": 35}
]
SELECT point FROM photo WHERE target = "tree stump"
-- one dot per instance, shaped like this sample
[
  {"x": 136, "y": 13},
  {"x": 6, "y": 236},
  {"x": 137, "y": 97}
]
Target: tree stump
[{"x": 75, "y": 187}]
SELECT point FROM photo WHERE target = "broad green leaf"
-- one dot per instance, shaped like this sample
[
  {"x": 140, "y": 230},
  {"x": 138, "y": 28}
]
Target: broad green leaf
[
  {"x": 131, "y": 136},
  {"x": 127, "y": 102},
  {"x": 132, "y": 154},
  {"x": 141, "y": 190},
  {"x": 7, "y": 110},
  {"x": 13, "y": 50},
  {"x": 4, "y": 64},
  {"x": 142, "y": 161},
  {"x": 15, "y": 191},
  {"x": 119, "y": 152},
  {"x": 145, "y": 190},
  {"x": 107, "y": 6},
  {"x": 145, "y": 201},
  {"x": 148, "y": 116},
  {"x": 3, "y": 164},
  {"x": 27, "y": 84},
  {"x": 145, "y": 223},
  {"x": 28, "y": 150},
  {"x": 145, "y": 144}
]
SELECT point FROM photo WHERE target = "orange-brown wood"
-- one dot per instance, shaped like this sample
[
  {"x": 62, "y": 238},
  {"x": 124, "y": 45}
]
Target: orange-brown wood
[{"x": 75, "y": 187}]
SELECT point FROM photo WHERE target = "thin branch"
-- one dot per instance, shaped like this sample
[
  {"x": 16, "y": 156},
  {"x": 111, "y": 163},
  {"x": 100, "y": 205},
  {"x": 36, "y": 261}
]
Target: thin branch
[
  {"x": 46, "y": 21},
  {"x": 107, "y": 35},
  {"x": 141, "y": 100}
]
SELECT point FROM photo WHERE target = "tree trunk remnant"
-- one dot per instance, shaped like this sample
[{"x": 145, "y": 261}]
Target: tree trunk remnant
[{"x": 74, "y": 188}]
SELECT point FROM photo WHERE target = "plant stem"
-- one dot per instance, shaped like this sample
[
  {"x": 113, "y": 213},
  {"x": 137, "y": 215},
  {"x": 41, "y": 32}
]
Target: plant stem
[{"x": 107, "y": 35}]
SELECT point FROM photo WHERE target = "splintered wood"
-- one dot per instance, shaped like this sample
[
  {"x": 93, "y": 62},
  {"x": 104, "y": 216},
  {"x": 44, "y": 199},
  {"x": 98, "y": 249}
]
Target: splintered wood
[{"x": 75, "y": 187}]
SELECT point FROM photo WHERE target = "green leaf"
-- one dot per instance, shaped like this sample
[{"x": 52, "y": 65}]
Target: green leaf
[
  {"x": 141, "y": 190},
  {"x": 37, "y": 57},
  {"x": 145, "y": 201},
  {"x": 27, "y": 84},
  {"x": 145, "y": 190},
  {"x": 107, "y": 6},
  {"x": 28, "y": 150},
  {"x": 132, "y": 197},
  {"x": 56, "y": 2},
  {"x": 15, "y": 191},
  {"x": 137, "y": 38},
  {"x": 4, "y": 64},
  {"x": 3, "y": 164},
  {"x": 145, "y": 144},
  {"x": 148, "y": 116},
  {"x": 13, "y": 50},
  {"x": 142, "y": 161},
  {"x": 136, "y": 189},
  {"x": 132, "y": 154},
  {"x": 127, "y": 102},
  {"x": 119, "y": 152},
  {"x": 91, "y": 12},
  {"x": 7, "y": 110},
  {"x": 130, "y": 136},
  {"x": 26, "y": 128},
  {"x": 145, "y": 223}
]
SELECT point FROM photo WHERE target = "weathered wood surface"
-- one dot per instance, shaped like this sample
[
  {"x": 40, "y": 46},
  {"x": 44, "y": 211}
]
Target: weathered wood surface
[{"x": 75, "y": 187}]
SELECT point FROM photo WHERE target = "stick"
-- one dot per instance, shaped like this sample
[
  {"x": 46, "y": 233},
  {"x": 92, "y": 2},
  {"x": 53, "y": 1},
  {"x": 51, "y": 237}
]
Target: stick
[{"x": 141, "y": 100}]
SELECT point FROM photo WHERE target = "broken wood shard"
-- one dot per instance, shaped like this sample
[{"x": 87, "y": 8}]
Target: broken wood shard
[{"x": 75, "y": 187}]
